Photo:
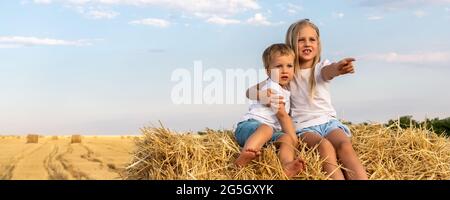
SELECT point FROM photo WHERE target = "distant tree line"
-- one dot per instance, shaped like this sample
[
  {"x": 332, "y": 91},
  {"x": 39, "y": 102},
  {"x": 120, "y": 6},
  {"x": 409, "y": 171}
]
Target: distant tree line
[{"x": 439, "y": 126}]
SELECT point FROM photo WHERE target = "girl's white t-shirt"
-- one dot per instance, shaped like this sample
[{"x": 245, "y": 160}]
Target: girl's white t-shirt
[
  {"x": 267, "y": 115},
  {"x": 305, "y": 111}
]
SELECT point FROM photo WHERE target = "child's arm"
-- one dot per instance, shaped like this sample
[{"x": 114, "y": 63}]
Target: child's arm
[
  {"x": 254, "y": 93},
  {"x": 263, "y": 96},
  {"x": 286, "y": 122},
  {"x": 344, "y": 66}
]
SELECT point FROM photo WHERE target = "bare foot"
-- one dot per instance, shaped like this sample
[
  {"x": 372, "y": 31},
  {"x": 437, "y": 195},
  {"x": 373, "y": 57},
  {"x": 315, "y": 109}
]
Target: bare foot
[
  {"x": 294, "y": 167},
  {"x": 246, "y": 156}
]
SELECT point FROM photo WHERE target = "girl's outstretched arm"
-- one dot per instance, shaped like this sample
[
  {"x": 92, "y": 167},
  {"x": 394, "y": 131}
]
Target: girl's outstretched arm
[{"x": 344, "y": 66}]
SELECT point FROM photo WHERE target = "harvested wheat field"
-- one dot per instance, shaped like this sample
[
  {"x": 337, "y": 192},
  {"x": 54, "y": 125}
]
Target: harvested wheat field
[
  {"x": 387, "y": 153},
  {"x": 53, "y": 157}
]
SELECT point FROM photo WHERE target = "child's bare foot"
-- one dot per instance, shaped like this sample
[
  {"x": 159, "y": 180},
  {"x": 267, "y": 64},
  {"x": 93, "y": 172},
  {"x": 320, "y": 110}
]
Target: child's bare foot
[
  {"x": 246, "y": 156},
  {"x": 294, "y": 167}
]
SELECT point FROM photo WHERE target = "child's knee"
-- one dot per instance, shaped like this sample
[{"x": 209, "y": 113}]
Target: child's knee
[
  {"x": 286, "y": 138},
  {"x": 265, "y": 127},
  {"x": 344, "y": 147},
  {"x": 326, "y": 146}
]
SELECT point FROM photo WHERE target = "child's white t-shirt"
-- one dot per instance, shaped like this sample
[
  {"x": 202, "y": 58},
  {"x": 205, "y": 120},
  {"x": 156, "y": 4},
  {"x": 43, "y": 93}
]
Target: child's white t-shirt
[
  {"x": 305, "y": 111},
  {"x": 267, "y": 115}
]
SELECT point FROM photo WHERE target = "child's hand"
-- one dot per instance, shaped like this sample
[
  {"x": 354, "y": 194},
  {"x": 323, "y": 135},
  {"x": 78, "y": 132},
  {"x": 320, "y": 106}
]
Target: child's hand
[
  {"x": 345, "y": 66},
  {"x": 279, "y": 109},
  {"x": 269, "y": 98}
]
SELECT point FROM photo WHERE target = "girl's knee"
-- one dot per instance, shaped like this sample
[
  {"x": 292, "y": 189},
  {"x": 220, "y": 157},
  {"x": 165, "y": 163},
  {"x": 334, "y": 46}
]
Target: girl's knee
[
  {"x": 326, "y": 146},
  {"x": 344, "y": 147}
]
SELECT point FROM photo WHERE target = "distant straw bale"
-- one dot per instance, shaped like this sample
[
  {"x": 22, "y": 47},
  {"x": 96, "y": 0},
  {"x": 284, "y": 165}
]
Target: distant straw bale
[
  {"x": 75, "y": 139},
  {"x": 32, "y": 138}
]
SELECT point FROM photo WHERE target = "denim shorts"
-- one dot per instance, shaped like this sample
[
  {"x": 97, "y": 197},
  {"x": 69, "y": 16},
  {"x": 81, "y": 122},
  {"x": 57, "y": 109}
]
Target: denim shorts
[
  {"x": 245, "y": 129},
  {"x": 324, "y": 129}
]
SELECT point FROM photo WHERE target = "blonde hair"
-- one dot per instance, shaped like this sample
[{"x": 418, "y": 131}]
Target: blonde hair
[
  {"x": 279, "y": 49},
  {"x": 292, "y": 41}
]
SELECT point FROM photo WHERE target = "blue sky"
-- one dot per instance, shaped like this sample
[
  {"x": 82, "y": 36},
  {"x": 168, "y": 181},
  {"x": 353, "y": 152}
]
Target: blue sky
[{"x": 105, "y": 66}]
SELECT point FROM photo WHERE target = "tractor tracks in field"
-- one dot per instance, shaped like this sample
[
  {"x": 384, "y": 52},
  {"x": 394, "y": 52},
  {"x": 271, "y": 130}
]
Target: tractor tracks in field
[
  {"x": 90, "y": 156},
  {"x": 8, "y": 170},
  {"x": 67, "y": 165},
  {"x": 59, "y": 161},
  {"x": 53, "y": 166},
  {"x": 114, "y": 148}
]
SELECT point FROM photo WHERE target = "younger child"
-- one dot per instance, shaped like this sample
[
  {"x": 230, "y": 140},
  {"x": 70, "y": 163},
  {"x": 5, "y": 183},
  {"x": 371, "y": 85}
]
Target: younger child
[{"x": 262, "y": 124}]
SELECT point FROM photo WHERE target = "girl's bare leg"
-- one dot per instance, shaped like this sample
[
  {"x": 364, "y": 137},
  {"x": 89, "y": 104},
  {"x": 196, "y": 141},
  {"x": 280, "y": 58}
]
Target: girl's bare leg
[
  {"x": 347, "y": 155},
  {"x": 326, "y": 152}
]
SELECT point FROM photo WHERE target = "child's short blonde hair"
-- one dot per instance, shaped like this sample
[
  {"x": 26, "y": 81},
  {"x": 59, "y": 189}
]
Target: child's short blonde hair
[{"x": 276, "y": 50}]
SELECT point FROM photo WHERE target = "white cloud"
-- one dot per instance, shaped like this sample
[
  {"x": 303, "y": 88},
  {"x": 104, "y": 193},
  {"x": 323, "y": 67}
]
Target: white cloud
[
  {"x": 42, "y": 1},
  {"x": 401, "y": 4},
  {"x": 411, "y": 58},
  {"x": 202, "y": 7},
  {"x": 94, "y": 12},
  {"x": 419, "y": 13},
  {"x": 257, "y": 20},
  {"x": 222, "y": 21},
  {"x": 20, "y": 41},
  {"x": 260, "y": 20},
  {"x": 152, "y": 22},
  {"x": 338, "y": 15},
  {"x": 293, "y": 9},
  {"x": 9, "y": 46},
  {"x": 102, "y": 14},
  {"x": 374, "y": 17},
  {"x": 212, "y": 11}
]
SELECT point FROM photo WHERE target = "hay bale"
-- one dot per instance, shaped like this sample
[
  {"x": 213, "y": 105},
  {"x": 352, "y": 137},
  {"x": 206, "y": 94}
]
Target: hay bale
[
  {"x": 386, "y": 153},
  {"x": 397, "y": 154},
  {"x": 32, "y": 138},
  {"x": 75, "y": 139},
  {"x": 54, "y": 137},
  {"x": 164, "y": 155}
]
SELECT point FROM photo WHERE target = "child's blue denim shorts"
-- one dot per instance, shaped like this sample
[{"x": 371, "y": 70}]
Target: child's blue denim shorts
[
  {"x": 245, "y": 129},
  {"x": 324, "y": 129}
]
